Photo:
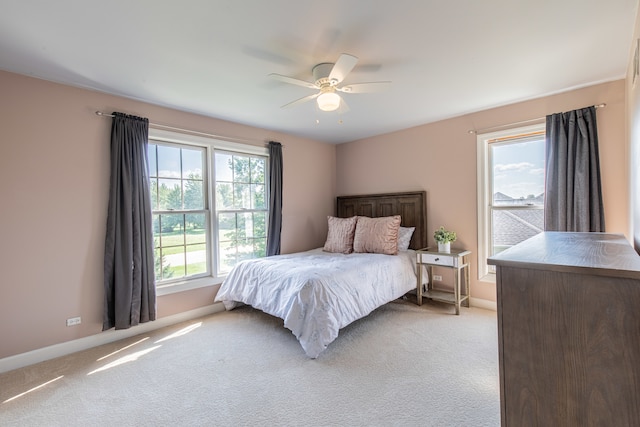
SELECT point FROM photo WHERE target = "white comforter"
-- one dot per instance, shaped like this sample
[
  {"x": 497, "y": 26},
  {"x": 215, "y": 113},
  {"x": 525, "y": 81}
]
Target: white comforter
[{"x": 318, "y": 293}]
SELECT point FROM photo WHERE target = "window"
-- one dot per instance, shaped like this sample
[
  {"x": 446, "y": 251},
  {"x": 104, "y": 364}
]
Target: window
[
  {"x": 241, "y": 208},
  {"x": 510, "y": 190},
  {"x": 209, "y": 203},
  {"x": 177, "y": 175}
]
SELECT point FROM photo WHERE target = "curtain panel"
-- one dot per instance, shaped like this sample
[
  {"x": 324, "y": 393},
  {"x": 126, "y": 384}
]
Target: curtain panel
[
  {"x": 129, "y": 282},
  {"x": 275, "y": 198},
  {"x": 573, "y": 194}
]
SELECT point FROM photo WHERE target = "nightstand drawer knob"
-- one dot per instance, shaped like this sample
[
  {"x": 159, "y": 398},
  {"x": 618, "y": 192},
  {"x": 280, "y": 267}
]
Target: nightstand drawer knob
[{"x": 437, "y": 259}]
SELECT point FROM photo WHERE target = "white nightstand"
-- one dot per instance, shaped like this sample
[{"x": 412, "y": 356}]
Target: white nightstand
[{"x": 457, "y": 259}]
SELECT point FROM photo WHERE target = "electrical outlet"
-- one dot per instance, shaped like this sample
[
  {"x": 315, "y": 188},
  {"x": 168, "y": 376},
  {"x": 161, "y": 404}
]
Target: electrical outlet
[
  {"x": 74, "y": 321},
  {"x": 437, "y": 278}
]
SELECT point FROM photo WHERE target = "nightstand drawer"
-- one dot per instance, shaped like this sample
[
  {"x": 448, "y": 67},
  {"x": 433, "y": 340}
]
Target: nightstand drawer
[{"x": 437, "y": 259}]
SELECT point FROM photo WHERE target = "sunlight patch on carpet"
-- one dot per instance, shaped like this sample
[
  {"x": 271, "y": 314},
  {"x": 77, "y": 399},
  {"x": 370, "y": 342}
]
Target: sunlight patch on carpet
[
  {"x": 125, "y": 359},
  {"x": 181, "y": 332},
  {"x": 122, "y": 349},
  {"x": 32, "y": 390}
]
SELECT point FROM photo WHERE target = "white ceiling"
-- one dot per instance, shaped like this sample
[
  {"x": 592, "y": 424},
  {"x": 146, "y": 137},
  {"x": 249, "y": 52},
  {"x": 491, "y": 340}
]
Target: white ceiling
[{"x": 444, "y": 57}]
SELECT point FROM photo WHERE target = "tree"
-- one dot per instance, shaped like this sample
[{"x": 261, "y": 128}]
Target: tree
[{"x": 162, "y": 268}]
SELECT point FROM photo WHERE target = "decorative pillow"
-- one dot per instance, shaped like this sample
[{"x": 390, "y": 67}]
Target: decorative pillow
[
  {"x": 404, "y": 238},
  {"x": 377, "y": 235},
  {"x": 340, "y": 235}
]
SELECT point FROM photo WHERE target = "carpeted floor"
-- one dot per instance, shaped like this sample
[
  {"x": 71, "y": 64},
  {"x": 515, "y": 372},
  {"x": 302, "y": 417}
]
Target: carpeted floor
[{"x": 402, "y": 365}]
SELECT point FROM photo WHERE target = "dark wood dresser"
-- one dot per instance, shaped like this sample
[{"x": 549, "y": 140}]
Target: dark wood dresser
[{"x": 569, "y": 331}]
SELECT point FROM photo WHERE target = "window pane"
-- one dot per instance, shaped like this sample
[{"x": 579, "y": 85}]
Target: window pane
[
  {"x": 245, "y": 226},
  {"x": 224, "y": 196},
  {"x": 171, "y": 226},
  {"x": 227, "y": 257},
  {"x": 518, "y": 173},
  {"x": 241, "y": 169},
  {"x": 196, "y": 259},
  {"x": 195, "y": 228},
  {"x": 153, "y": 167},
  {"x": 512, "y": 226},
  {"x": 168, "y": 162},
  {"x": 257, "y": 192},
  {"x": 192, "y": 161},
  {"x": 245, "y": 250},
  {"x": 155, "y": 224},
  {"x": 176, "y": 265},
  {"x": 154, "y": 193},
  {"x": 259, "y": 224},
  {"x": 257, "y": 170},
  {"x": 242, "y": 196},
  {"x": 169, "y": 194},
  {"x": 157, "y": 260},
  {"x": 226, "y": 227},
  {"x": 193, "y": 194},
  {"x": 259, "y": 248},
  {"x": 224, "y": 167}
]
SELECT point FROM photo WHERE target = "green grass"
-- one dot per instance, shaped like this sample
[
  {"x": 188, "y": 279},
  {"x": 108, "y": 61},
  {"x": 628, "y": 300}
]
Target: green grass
[{"x": 176, "y": 238}]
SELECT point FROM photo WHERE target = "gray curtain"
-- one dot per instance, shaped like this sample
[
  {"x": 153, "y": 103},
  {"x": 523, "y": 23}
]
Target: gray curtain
[
  {"x": 275, "y": 198},
  {"x": 129, "y": 283},
  {"x": 573, "y": 196}
]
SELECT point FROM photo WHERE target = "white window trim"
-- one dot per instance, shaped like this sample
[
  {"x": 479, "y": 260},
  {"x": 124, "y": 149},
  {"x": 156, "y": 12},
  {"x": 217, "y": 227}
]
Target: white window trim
[
  {"x": 484, "y": 194},
  {"x": 211, "y": 144}
]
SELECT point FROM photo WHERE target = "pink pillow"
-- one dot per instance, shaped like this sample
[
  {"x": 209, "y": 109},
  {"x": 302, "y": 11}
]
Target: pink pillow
[
  {"x": 340, "y": 235},
  {"x": 377, "y": 235}
]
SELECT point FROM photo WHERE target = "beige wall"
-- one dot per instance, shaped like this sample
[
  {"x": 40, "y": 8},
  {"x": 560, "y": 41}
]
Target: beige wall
[
  {"x": 54, "y": 175},
  {"x": 441, "y": 159},
  {"x": 633, "y": 129},
  {"x": 54, "y": 181}
]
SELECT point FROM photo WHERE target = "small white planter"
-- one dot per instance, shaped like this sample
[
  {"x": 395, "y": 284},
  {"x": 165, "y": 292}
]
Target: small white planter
[{"x": 444, "y": 247}]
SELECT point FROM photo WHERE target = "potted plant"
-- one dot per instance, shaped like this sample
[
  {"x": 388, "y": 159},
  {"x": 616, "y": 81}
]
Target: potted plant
[{"x": 444, "y": 238}]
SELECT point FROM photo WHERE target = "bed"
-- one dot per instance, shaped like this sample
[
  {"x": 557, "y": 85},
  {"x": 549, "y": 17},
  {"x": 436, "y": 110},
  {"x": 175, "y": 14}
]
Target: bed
[{"x": 317, "y": 292}]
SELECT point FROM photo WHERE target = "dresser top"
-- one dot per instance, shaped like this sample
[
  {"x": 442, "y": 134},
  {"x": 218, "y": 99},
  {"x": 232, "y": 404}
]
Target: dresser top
[{"x": 599, "y": 253}]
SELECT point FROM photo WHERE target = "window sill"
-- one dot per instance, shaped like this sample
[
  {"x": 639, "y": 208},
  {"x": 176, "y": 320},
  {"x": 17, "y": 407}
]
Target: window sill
[
  {"x": 188, "y": 285},
  {"x": 489, "y": 278}
]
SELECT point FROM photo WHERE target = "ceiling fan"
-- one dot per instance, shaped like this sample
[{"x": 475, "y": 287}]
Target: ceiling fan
[{"x": 327, "y": 79}]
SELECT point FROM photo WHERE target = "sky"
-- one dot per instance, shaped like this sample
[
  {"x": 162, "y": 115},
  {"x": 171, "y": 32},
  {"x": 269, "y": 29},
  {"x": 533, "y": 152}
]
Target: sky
[{"x": 518, "y": 168}]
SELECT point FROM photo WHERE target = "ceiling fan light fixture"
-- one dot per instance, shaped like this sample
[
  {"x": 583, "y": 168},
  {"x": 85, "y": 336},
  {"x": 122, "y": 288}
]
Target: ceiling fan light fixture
[{"x": 328, "y": 101}]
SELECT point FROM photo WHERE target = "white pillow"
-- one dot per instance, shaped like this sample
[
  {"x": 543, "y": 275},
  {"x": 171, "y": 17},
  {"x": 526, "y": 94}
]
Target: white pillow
[{"x": 404, "y": 237}]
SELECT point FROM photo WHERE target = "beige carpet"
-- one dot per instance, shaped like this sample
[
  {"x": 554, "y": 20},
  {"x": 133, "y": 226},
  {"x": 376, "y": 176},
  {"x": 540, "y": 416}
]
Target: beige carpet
[{"x": 401, "y": 365}]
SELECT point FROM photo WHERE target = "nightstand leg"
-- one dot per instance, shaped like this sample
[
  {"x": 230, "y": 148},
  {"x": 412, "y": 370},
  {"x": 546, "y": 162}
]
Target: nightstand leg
[
  {"x": 419, "y": 287},
  {"x": 456, "y": 289},
  {"x": 466, "y": 285}
]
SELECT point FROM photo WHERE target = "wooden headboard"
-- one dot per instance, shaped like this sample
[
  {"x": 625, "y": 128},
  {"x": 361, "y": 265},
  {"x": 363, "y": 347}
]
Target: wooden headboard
[{"x": 411, "y": 206}]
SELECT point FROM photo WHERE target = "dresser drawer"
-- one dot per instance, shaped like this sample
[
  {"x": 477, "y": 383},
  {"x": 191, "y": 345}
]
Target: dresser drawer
[{"x": 437, "y": 259}]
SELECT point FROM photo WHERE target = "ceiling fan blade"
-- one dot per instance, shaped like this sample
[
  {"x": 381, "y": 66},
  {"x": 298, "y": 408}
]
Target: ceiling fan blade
[
  {"x": 293, "y": 81},
  {"x": 364, "y": 87},
  {"x": 342, "y": 67},
  {"x": 301, "y": 100}
]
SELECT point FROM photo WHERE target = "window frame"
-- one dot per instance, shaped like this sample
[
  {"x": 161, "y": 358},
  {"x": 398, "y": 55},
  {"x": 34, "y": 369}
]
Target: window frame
[
  {"x": 485, "y": 192},
  {"x": 210, "y": 144}
]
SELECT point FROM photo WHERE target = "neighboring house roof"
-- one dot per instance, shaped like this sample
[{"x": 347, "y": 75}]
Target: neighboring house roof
[{"x": 514, "y": 226}]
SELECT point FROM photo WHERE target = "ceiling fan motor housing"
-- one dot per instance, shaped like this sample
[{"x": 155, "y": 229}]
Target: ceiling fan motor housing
[{"x": 321, "y": 74}]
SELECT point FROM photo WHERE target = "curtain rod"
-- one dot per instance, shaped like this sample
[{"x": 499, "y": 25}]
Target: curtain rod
[
  {"x": 472, "y": 131},
  {"x": 210, "y": 135}
]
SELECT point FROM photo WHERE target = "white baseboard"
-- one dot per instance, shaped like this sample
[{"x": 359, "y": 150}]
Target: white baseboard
[
  {"x": 484, "y": 303},
  {"x": 46, "y": 353}
]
